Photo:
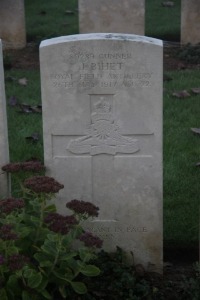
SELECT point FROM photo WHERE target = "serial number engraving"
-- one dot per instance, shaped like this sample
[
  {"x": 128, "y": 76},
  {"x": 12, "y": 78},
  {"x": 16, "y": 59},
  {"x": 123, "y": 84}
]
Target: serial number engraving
[{"x": 110, "y": 80}]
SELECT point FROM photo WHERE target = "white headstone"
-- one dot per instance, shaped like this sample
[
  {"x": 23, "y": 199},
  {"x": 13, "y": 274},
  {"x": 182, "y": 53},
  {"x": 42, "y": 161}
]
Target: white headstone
[
  {"x": 12, "y": 24},
  {"x": 190, "y": 21},
  {"x": 4, "y": 157},
  {"x": 102, "y": 122},
  {"x": 120, "y": 16}
]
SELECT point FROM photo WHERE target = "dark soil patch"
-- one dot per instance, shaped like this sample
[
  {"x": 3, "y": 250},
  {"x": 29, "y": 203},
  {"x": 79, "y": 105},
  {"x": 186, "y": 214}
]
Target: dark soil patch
[
  {"x": 26, "y": 59},
  {"x": 171, "y": 61}
]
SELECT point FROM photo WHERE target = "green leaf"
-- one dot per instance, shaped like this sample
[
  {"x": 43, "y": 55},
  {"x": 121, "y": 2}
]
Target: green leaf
[
  {"x": 43, "y": 284},
  {"x": 80, "y": 264},
  {"x": 28, "y": 273},
  {"x": 13, "y": 286},
  {"x": 52, "y": 237},
  {"x": 79, "y": 287},
  {"x": 65, "y": 275},
  {"x": 24, "y": 231},
  {"x": 49, "y": 247},
  {"x": 66, "y": 257},
  {"x": 45, "y": 294},
  {"x": 46, "y": 263},
  {"x": 35, "y": 220},
  {"x": 67, "y": 240},
  {"x": 90, "y": 270},
  {"x": 62, "y": 291},
  {"x": 50, "y": 208},
  {"x": 35, "y": 280},
  {"x": 12, "y": 250},
  {"x": 35, "y": 204},
  {"x": 3, "y": 294},
  {"x": 25, "y": 295},
  {"x": 42, "y": 259},
  {"x": 74, "y": 233},
  {"x": 85, "y": 255}
]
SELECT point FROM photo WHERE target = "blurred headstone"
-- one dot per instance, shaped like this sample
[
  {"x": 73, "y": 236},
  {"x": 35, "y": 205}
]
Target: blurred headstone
[
  {"x": 190, "y": 22},
  {"x": 119, "y": 16},
  {"x": 4, "y": 154},
  {"x": 12, "y": 24}
]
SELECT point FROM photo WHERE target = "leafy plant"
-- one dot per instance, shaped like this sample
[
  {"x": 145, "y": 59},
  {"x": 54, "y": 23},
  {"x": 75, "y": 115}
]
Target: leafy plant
[
  {"x": 191, "y": 286},
  {"x": 42, "y": 252},
  {"x": 118, "y": 279}
]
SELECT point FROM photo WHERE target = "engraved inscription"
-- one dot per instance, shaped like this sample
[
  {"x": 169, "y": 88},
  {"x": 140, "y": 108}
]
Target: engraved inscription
[
  {"x": 101, "y": 66},
  {"x": 102, "y": 70},
  {"x": 86, "y": 78},
  {"x": 103, "y": 135},
  {"x": 106, "y": 232}
]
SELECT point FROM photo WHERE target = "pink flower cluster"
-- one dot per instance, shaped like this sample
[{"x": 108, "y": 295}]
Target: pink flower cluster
[
  {"x": 90, "y": 240},
  {"x": 82, "y": 207},
  {"x": 43, "y": 184},
  {"x": 17, "y": 262},
  {"x": 60, "y": 224},
  {"x": 34, "y": 166},
  {"x": 6, "y": 233},
  {"x": 10, "y": 204}
]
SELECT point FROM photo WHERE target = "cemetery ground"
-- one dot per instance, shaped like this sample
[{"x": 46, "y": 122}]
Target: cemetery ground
[
  {"x": 181, "y": 170},
  {"x": 181, "y": 148}
]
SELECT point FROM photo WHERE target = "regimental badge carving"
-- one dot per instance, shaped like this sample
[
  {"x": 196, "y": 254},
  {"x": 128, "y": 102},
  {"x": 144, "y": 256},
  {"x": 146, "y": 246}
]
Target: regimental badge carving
[{"x": 103, "y": 135}]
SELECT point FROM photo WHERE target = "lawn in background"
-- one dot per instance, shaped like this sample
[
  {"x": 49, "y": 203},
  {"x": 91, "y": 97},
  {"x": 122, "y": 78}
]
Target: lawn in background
[
  {"x": 181, "y": 146},
  {"x": 48, "y": 18},
  {"x": 181, "y": 153},
  {"x": 163, "y": 22},
  {"x": 23, "y": 124}
]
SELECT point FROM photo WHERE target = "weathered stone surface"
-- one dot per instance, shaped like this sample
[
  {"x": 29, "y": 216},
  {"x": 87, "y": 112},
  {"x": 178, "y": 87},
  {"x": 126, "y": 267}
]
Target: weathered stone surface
[
  {"x": 190, "y": 21},
  {"x": 4, "y": 157},
  {"x": 102, "y": 122},
  {"x": 119, "y": 16},
  {"x": 12, "y": 24}
]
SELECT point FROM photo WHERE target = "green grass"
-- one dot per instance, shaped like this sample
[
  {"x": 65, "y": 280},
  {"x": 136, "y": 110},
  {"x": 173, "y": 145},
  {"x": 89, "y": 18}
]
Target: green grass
[
  {"x": 163, "y": 22},
  {"x": 47, "y": 19},
  {"x": 181, "y": 153},
  {"x": 21, "y": 125}
]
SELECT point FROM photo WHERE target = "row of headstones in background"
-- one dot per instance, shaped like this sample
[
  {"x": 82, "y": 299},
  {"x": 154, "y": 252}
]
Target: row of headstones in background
[
  {"x": 121, "y": 16},
  {"x": 12, "y": 24},
  {"x": 4, "y": 149},
  {"x": 102, "y": 130},
  {"x": 128, "y": 16}
]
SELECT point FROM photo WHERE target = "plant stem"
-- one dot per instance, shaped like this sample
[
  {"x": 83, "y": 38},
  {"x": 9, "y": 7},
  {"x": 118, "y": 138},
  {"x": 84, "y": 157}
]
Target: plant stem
[
  {"x": 42, "y": 207},
  {"x": 57, "y": 254}
]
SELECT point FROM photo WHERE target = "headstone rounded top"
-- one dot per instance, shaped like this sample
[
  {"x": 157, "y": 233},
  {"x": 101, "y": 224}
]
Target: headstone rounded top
[{"x": 101, "y": 36}]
